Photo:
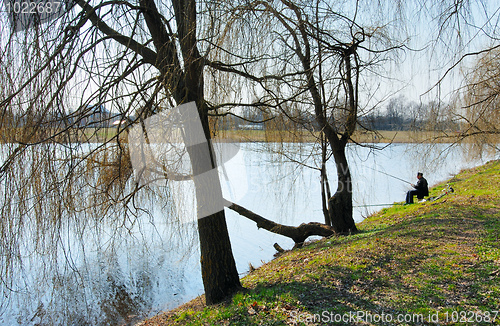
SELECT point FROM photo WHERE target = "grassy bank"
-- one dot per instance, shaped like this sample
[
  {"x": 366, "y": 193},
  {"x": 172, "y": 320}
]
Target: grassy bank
[{"x": 428, "y": 263}]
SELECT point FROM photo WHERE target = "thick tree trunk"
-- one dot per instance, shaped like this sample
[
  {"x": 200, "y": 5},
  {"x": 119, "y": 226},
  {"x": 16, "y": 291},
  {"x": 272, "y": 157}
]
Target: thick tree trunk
[
  {"x": 220, "y": 276},
  {"x": 340, "y": 204},
  {"x": 218, "y": 268}
]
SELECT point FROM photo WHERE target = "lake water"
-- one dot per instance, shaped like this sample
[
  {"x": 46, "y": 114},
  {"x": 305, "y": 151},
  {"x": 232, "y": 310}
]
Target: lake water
[{"x": 107, "y": 271}]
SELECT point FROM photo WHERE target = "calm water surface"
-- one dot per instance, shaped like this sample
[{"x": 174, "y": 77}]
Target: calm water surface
[{"x": 108, "y": 272}]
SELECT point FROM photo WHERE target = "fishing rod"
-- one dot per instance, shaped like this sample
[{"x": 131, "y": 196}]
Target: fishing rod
[
  {"x": 389, "y": 175},
  {"x": 378, "y": 205},
  {"x": 446, "y": 191}
]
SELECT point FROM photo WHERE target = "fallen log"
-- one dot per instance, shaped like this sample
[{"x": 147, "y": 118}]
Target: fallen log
[{"x": 297, "y": 233}]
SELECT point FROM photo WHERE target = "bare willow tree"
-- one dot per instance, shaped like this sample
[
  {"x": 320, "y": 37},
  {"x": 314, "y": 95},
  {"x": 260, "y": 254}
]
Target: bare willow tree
[
  {"x": 308, "y": 53},
  {"x": 463, "y": 43},
  {"x": 137, "y": 58},
  {"x": 477, "y": 103}
]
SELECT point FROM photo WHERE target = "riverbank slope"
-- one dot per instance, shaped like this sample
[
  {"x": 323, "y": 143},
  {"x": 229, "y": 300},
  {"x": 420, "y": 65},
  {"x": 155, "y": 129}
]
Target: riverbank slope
[{"x": 427, "y": 263}]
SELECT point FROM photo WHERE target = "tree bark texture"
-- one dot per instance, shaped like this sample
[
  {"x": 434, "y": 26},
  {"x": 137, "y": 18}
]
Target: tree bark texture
[
  {"x": 340, "y": 204},
  {"x": 298, "y": 234},
  {"x": 220, "y": 276}
]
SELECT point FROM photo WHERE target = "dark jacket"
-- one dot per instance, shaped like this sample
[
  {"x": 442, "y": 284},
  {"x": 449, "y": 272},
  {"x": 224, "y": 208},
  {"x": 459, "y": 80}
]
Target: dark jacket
[{"x": 422, "y": 188}]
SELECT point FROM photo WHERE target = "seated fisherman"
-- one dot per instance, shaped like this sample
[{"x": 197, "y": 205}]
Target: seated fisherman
[{"x": 421, "y": 189}]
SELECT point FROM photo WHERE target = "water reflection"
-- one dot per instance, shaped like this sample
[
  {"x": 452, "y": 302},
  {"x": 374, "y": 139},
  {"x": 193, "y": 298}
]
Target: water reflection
[{"x": 114, "y": 264}]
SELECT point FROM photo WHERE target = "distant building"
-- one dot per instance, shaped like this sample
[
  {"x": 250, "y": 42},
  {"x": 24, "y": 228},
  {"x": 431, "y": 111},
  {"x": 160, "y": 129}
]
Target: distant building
[
  {"x": 119, "y": 122},
  {"x": 251, "y": 126}
]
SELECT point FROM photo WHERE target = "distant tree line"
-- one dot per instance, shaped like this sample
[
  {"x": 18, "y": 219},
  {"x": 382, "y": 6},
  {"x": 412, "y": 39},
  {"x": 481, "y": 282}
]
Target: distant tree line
[
  {"x": 399, "y": 114},
  {"x": 402, "y": 114}
]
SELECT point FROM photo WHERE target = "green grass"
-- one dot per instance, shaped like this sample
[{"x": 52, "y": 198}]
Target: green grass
[{"x": 439, "y": 257}]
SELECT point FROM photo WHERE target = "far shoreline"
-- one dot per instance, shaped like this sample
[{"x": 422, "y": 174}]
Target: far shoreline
[
  {"x": 106, "y": 134},
  {"x": 365, "y": 137}
]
